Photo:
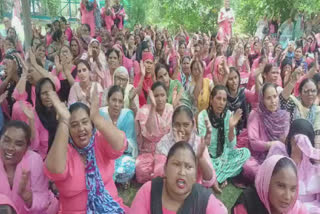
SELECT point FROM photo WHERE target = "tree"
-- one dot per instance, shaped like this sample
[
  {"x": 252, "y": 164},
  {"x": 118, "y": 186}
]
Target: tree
[{"x": 26, "y": 22}]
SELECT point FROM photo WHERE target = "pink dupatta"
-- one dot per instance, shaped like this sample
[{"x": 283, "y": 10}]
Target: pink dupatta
[{"x": 262, "y": 183}]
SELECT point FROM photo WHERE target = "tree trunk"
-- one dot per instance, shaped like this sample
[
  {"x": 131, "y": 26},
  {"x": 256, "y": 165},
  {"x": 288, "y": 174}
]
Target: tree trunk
[{"x": 26, "y": 22}]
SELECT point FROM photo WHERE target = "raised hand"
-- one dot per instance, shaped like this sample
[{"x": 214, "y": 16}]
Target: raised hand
[
  {"x": 235, "y": 118},
  {"x": 132, "y": 94},
  {"x": 152, "y": 99},
  {"x": 201, "y": 148},
  {"x": 142, "y": 69},
  {"x": 58, "y": 64},
  {"x": 295, "y": 76},
  {"x": 23, "y": 191},
  {"x": 32, "y": 58},
  {"x": 94, "y": 101},
  {"x": 60, "y": 107},
  {"x": 27, "y": 111}
]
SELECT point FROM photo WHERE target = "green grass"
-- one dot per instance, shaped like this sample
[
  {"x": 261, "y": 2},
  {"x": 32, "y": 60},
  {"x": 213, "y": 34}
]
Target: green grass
[{"x": 228, "y": 196}]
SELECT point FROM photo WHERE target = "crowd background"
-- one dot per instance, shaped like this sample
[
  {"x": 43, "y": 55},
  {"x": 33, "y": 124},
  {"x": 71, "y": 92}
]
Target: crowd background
[{"x": 105, "y": 107}]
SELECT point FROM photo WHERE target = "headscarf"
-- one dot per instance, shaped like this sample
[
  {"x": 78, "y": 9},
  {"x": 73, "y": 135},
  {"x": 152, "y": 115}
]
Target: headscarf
[
  {"x": 239, "y": 101},
  {"x": 80, "y": 48},
  {"x": 300, "y": 126},
  {"x": 103, "y": 73},
  {"x": 124, "y": 71},
  {"x": 147, "y": 56},
  {"x": 10, "y": 99},
  {"x": 48, "y": 117},
  {"x": 99, "y": 199},
  {"x": 216, "y": 68},
  {"x": 263, "y": 179},
  {"x": 147, "y": 82},
  {"x": 102, "y": 57},
  {"x": 218, "y": 123},
  {"x": 273, "y": 128}
]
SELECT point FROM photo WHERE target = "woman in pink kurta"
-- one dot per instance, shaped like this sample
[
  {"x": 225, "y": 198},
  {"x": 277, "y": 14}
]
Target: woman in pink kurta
[
  {"x": 83, "y": 91},
  {"x": 153, "y": 121},
  {"x": 119, "y": 13},
  {"x": 300, "y": 147},
  {"x": 225, "y": 20},
  {"x": 276, "y": 190},
  {"x": 87, "y": 15},
  {"x": 81, "y": 159},
  {"x": 264, "y": 128},
  {"x": 21, "y": 174},
  {"x": 178, "y": 192},
  {"x": 108, "y": 16},
  {"x": 183, "y": 129}
]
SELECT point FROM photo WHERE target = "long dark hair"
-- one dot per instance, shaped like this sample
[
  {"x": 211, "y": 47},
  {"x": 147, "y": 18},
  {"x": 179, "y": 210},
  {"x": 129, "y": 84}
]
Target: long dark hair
[
  {"x": 218, "y": 122},
  {"x": 47, "y": 116},
  {"x": 300, "y": 126}
]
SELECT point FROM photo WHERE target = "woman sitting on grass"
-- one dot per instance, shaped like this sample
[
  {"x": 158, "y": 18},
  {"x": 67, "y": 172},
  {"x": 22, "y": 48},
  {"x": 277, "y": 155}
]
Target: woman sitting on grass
[{"x": 178, "y": 191}]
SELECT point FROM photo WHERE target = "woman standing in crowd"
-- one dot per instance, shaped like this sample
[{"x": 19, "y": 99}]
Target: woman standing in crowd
[
  {"x": 123, "y": 118},
  {"x": 178, "y": 192},
  {"x": 276, "y": 189},
  {"x": 227, "y": 161},
  {"x": 152, "y": 123},
  {"x": 81, "y": 159},
  {"x": 87, "y": 9}
]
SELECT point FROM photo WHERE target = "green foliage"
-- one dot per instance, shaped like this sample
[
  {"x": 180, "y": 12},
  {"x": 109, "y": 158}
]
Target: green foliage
[
  {"x": 53, "y": 7},
  {"x": 249, "y": 11},
  {"x": 194, "y": 15},
  {"x": 201, "y": 15},
  {"x": 136, "y": 11}
]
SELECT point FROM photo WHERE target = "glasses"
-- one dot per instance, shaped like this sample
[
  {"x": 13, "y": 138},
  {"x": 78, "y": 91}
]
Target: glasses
[{"x": 310, "y": 91}]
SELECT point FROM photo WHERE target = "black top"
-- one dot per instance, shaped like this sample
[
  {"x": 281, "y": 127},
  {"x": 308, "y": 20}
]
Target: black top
[{"x": 195, "y": 203}]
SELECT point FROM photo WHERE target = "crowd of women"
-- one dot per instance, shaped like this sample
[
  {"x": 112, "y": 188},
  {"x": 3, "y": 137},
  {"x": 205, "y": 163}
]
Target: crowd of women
[{"x": 86, "y": 111}]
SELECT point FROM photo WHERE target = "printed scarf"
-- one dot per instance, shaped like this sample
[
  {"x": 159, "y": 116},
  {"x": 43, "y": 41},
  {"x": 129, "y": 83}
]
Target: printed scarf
[{"x": 99, "y": 199}]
